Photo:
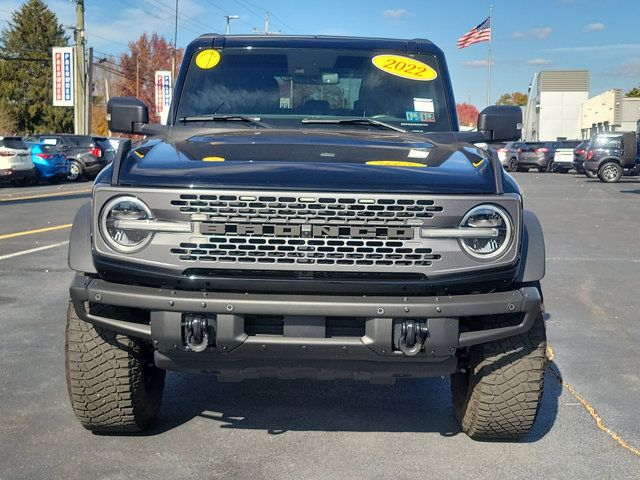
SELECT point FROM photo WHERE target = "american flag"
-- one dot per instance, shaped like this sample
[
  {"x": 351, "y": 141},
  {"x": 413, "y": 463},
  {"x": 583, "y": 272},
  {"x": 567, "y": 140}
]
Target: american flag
[{"x": 481, "y": 33}]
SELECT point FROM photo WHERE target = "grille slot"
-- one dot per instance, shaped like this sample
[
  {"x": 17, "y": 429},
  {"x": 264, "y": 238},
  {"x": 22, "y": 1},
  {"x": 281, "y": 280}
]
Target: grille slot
[
  {"x": 324, "y": 210},
  {"x": 299, "y": 251}
]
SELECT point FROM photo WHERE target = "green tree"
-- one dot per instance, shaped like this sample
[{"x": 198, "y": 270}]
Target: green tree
[
  {"x": 634, "y": 93},
  {"x": 516, "y": 98},
  {"x": 25, "y": 70}
]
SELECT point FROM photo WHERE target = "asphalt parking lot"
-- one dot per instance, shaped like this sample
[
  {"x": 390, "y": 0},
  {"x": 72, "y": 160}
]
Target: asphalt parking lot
[{"x": 302, "y": 429}]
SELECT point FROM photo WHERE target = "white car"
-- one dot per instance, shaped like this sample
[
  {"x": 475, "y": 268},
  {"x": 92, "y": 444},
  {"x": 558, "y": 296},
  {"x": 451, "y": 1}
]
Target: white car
[
  {"x": 16, "y": 165},
  {"x": 563, "y": 157}
]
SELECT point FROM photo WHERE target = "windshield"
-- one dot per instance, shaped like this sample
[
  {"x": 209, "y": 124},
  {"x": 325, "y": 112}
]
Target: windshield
[{"x": 284, "y": 86}]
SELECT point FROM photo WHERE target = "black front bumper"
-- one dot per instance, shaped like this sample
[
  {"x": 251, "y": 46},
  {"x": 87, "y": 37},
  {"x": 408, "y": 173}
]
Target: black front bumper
[{"x": 235, "y": 355}]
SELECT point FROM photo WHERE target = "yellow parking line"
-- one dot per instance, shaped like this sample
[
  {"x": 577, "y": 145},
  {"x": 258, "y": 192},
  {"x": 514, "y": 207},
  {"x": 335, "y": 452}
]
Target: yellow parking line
[
  {"x": 33, "y": 232},
  {"x": 45, "y": 195},
  {"x": 588, "y": 407}
]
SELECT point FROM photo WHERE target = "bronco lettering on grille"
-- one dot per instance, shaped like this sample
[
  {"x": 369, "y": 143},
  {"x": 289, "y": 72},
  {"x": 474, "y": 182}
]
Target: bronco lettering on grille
[{"x": 306, "y": 231}]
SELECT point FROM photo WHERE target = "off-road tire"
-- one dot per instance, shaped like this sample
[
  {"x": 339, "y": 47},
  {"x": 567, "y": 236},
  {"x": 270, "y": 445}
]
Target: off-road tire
[
  {"x": 610, "y": 172},
  {"x": 512, "y": 166},
  {"x": 590, "y": 174},
  {"x": 113, "y": 385},
  {"x": 499, "y": 395}
]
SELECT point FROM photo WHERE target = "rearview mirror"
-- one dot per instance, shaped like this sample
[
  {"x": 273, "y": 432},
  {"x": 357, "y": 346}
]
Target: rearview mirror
[
  {"x": 500, "y": 123},
  {"x": 127, "y": 114}
]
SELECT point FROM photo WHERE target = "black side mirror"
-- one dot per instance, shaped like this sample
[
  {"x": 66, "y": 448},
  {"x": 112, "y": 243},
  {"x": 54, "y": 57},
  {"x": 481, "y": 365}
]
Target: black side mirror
[
  {"x": 500, "y": 123},
  {"x": 127, "y": 114}
]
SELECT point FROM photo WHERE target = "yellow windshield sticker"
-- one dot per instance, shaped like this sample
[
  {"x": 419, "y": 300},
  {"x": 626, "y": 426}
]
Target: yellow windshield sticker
[
  {"x": 207, "y": 59},
  {"x": 213, "y": 159},
  {"x": 405, "y": 67},
  {"x": 477, "y": 164},
  {"x": 138, "y": 154},
  {"x": 395, "y": 163}
]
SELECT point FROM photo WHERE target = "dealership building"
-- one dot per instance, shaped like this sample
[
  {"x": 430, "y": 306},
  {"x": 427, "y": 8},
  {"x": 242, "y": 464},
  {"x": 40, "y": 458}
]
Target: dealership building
[
  {"x": 610, "y": 111},
  {"x": 554, "y": 106}
]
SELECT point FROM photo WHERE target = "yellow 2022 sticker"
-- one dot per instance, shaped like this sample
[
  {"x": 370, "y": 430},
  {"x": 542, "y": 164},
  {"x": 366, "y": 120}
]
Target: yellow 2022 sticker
[
  {"x": 207, "y": 59},
  {"x": 395, "y": 163},
  {"x": 405, "y": 67}
]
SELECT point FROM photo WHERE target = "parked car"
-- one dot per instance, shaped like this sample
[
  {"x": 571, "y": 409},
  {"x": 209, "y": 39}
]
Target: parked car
[
  {"x": 537, "y": 155},
  {"x": 611, "y": 155},
  {"x": 50, "y": 163},
  {"x": 564, "y": 156},
  {"x": 15, "y": 161},
  {"x": 579, "y": 157},
  {"x": 107, "y": 148},
  {"x": 85, "y": 156},
  {"x": 508, "y": 155}
]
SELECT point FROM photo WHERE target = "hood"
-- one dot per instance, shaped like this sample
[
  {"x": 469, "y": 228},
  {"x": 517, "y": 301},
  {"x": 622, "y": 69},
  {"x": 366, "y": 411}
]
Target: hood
[{"x": 309, "y": 160}]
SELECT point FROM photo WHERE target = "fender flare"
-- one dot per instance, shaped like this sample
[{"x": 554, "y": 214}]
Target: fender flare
[
  {"x": 533, "y": 256},
  {"x": 611, "y": 159},
  {"x": 80, "y": 255}
]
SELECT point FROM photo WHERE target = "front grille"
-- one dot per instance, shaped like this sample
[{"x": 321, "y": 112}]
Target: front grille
[
  {"x": 288, "y": 209},
  {"x": 300, "y": 251},
  {"x": 380, "y": 249}
]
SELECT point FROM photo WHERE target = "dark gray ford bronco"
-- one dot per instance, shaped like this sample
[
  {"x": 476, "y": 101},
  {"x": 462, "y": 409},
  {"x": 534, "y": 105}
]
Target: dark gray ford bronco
[{"x": 310, "y": 210}]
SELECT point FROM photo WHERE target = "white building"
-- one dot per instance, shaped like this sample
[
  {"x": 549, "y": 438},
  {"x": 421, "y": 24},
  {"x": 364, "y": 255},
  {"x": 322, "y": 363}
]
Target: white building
[
  {"x": 555, "y": 100},
  {"x": 610, "y": 111}
]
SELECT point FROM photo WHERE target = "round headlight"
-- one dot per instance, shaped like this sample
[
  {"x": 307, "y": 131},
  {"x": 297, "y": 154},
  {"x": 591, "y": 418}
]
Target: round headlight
[
  {"x": 121, "y": 237},
  {"x": 491, "y": 219}
]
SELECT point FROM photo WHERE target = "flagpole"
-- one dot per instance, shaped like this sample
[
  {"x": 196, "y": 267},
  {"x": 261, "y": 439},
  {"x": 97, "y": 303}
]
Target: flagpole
[{"x": 490, "y": 55}]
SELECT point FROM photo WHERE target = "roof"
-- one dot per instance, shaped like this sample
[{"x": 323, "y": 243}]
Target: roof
[{"x": 416, "y": 45}]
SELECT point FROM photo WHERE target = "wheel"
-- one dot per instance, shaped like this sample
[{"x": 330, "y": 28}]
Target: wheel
[
  {"x": 591, "y": 174},
  {"x": 550, "y": 167},
  {"x": 112, "y": 382},
  {"x": 610, "y": 172},
  {"x": 75, "y": 170},
  {"x": 512, "y": 166},
  {"x": 499, "y": 395}
]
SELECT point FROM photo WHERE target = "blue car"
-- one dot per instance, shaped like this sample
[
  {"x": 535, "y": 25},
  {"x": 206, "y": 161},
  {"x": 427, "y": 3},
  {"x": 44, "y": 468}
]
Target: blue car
[{"x": 49, "y": 162}]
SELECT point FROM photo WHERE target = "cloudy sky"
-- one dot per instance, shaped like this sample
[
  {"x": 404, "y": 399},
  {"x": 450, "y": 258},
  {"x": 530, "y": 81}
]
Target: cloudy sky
[{"x": 598, "y": 35}]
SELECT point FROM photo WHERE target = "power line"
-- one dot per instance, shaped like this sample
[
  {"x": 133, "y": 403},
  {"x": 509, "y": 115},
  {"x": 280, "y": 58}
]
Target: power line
[
  {"x": 167, "y": 9},
  {"x": 226, "y": 12},
  {"x": 137, "y": 7}
]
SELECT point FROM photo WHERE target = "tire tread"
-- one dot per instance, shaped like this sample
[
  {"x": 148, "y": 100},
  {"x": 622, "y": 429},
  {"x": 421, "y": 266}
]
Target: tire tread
[
  {"x": 500, "y": 396},
  {"x": 112, "y": 386}
]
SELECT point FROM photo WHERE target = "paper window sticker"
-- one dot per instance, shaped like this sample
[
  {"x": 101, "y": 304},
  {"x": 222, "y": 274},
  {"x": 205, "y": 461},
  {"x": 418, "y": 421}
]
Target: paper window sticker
[{"x": 423, "y": 105}]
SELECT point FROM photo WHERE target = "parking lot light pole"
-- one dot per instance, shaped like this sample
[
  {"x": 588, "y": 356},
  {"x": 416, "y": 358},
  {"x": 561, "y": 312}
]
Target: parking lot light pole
[{"x": 229, "y": 18}]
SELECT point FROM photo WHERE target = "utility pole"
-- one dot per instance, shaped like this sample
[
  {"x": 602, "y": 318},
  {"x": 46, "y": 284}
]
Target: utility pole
[
  {"x": 106, "y": 95},
  {"x": 267, "y": 26},
  {"x": 175, "y": 45},
  {"x": 80, "y": 71},
  {"x": 89, "y": 93}
]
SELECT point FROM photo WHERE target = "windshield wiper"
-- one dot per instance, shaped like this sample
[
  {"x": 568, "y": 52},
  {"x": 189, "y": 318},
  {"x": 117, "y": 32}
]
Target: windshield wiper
[
  {"x": 225, "y": 118},
  {"x": 352, "y": 121}
]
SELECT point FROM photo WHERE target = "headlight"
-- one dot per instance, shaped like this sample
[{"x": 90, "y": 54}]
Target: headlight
[
  {"x": 125, "y": 240},
  {"x": 487, "y": 217}
]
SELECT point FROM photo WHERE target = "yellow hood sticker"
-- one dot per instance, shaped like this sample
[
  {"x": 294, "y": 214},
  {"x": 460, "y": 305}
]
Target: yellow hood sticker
[
  {"x": 207, "y": 59},
  {"x": 213, "y": 159},
  {"x": 405, "y": 67},
  {"x": 395, "y": 163}
]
